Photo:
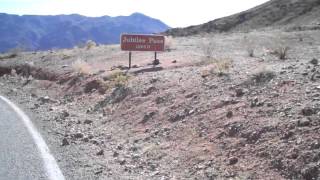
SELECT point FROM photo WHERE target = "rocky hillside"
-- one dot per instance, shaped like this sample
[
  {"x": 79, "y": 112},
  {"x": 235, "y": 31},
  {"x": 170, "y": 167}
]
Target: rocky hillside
[
  {"x": 225, "y": 114},
  {"x": 65, "y": 31},
  {"x": 296, "y": 13}
]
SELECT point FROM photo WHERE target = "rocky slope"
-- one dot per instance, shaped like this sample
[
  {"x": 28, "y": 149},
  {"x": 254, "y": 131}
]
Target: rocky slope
[
  {"x": 275, "y": 13},
  {"x": 32, "y": 32}
]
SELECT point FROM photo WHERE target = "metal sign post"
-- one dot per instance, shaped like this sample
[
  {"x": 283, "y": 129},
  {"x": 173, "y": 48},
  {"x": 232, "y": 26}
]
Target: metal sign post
[{"x": 129, "y": 59}]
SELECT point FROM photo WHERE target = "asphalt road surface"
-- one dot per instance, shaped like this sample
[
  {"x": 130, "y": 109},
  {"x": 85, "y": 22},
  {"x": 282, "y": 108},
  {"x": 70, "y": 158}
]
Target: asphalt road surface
[{"x": 23, "y": 153}]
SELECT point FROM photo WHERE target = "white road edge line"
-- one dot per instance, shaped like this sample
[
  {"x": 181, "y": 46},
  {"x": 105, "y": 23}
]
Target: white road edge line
[{"x": 52, "y": 169}]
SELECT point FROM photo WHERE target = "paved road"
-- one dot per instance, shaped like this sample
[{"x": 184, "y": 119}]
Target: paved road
[{"x": 20, "y": 155}]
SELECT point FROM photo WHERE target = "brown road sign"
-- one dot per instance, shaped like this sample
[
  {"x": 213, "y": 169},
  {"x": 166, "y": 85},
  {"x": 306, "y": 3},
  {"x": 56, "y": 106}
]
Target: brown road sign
[{"x": 141, "y": 42}]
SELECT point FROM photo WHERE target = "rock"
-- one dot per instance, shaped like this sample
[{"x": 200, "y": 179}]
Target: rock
[
  {"x": 255, "y": 103},
  {"x": 122, "y": 161},
  {"x": 308, "y": 111},
  {"x": 311, "y": 171},
  {"x": 177, "y": 117},
  {"x": 65, "y": 114},
  {"x": 174, "y": 61},
  {"x": 160, "y": 100},
  {"x": 44, "y": 99},
  {"x": 65, "y": 142},
  {"x": 87, "y": 121},
  {"x": 190, "y": 95},
  {"x": 78, "y": 135},
  {"x": 147, "y": 117},
  {"x": 119, "y": 147},
  {"x": 35, "y": 106},
  {"x": 239, "y": 92},
  {"x": 100, "y": 153},
  {"x": 233, "y": 129},
  {"x": 117, "y": 95},
  {"x": 229, "y": 114},
  {"x": 156, "y": 62},
  {"x": 134, "y": 66},
  {"x": 314, "y": 62},
  {"x": 98, "y": 172},
  {"x": 233, "y": 160},
  {"x": 315, "y": 145},
  {"x": 148, "y": 91},
  {"x": 304, "y": 122},
  {"x": 115, "y": 154},
  {"x": 94, "y": 85},
  {"x": 85, "y": 139}
]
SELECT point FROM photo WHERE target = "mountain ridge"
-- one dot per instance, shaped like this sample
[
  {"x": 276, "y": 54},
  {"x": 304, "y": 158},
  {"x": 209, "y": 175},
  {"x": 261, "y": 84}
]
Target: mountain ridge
[{"x": 43, "y": 32}]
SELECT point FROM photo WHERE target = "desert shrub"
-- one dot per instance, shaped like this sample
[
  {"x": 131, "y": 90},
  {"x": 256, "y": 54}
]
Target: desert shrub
[
  {"x": 280, "y": 47},
  {"x": 249, "y": 45},
  {"x": 250, "y": 52},
  {"x": 118, "y": 78},
  {"x": 168, "y": 43},
  {"x": 223, "y": 66},
  {"x": 81, "y": 67},
  {"x": 14, "y": 52},
  {"x": 282, "y": 52},
  {"x": 90, "y": 44},
  {"x": 262, "y": 77}
]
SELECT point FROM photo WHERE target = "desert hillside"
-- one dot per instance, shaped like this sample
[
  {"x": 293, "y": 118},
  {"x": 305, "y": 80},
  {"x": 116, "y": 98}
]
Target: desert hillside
[
  {"x": 228, "y": 106},
  {"x": 292, "y": 14}
]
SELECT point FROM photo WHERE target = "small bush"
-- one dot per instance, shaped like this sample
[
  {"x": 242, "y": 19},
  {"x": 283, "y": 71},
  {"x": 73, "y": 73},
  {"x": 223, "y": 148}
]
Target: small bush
[
  {"x": 118, "y": 79},
  {"x": 82, "y": 67},
  {"x": 90, "y": 44},
  {"x": 14, "y": 52}
]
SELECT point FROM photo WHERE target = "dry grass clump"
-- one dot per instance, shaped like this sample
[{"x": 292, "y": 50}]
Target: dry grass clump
[
  {"x": 219, "y": 67},
  {"x": 82, "y": 67}
]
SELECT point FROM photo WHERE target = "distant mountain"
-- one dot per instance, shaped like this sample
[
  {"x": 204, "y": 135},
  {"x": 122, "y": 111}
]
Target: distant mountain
[
  {"x": 65, "y": 31},
  {"x": 274, "y": 13}
]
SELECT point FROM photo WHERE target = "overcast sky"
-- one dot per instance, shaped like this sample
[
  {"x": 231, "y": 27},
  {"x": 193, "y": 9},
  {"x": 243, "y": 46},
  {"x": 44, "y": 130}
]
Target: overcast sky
[{"x": 175, "y": 13}]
